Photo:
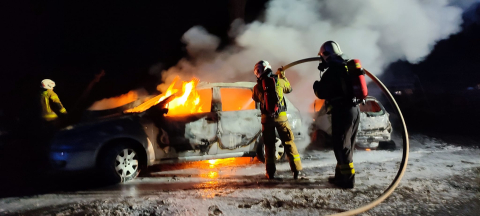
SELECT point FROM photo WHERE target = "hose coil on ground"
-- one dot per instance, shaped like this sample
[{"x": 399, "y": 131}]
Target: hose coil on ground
[{"x": 406, "y": 144}]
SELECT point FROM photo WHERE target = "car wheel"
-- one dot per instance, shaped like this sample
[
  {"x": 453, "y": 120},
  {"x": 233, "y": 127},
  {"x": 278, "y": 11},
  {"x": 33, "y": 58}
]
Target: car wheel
[
  {"x": 120, "y": 164},
  {"x": 279, "y": 150},
  {"x": 387, "y": 145}
]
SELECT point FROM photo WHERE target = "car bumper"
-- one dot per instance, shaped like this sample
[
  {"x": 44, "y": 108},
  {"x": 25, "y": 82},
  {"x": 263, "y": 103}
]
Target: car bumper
[
  {"x": 72, "y": 161},
  {"x": 298, "y": 136},
  {"x": 372, "y": 138}
]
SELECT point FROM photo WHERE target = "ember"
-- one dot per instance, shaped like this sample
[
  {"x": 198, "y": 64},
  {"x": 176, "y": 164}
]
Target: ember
[{"x": 186, "y": 100}]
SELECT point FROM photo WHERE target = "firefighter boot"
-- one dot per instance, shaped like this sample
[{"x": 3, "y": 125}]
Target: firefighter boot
[
  {"x": 270, "y": 175},
  {"x": 270, "y": 168},
  {"x": 344, "y": 176},
  {"x": 297, "y": 174},
  {"x": 344, "y": 181},
  {"x": 337, "y": 174}
]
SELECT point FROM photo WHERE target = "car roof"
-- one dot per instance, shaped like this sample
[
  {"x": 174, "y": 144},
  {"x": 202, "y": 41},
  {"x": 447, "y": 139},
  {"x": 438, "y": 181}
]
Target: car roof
[{"x": 204, "y": 85}]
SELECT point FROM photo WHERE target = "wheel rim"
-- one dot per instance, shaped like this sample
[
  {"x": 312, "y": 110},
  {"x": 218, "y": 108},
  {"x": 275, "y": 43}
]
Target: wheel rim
[
  {"x": 279, "y": 149},
  {"x": 126, "y": 163}
]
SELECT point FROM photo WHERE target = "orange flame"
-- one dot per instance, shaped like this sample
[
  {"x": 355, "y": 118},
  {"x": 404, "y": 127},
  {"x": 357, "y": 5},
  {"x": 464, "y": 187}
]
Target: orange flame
[{"x": 185, "y": 103}]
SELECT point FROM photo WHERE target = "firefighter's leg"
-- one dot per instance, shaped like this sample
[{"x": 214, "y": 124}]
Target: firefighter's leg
[
  {"x": 344, "y": 126},
  {"x": 268, "y": 133},
  {"x": 353, "y": 135},
  {"x": 286, "y": 135}
]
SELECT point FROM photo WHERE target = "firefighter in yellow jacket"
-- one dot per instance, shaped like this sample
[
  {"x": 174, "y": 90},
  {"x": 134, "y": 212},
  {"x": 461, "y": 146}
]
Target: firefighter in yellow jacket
[
  {"x": 280, "y": 122},
  {"x": 50, "y": 103}
]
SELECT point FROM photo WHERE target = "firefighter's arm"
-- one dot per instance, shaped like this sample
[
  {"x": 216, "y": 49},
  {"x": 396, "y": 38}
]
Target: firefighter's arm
[
  {"x": 254, "y": 94},
  {"x": 287, "y": 88},
  {"x": 58, "y": 105},
  {"x": 323, "y": 87}
]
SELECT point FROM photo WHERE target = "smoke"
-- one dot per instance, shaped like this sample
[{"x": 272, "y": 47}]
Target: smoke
[{"x": 376, "y": 32}]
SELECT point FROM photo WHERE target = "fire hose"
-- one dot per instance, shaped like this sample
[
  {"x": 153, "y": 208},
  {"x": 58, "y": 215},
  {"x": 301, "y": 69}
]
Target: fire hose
[{"x": 403, "y": 164}]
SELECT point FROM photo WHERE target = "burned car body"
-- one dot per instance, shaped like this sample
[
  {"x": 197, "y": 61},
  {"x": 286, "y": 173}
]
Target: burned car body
[
  {"x": 228, "y": 126},
  {"x": 374, "y": 127}
]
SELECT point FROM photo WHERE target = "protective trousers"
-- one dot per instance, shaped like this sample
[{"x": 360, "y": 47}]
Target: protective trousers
[
  {"x": 286, "y": 135},
  {"x": 345, "y": 122}
]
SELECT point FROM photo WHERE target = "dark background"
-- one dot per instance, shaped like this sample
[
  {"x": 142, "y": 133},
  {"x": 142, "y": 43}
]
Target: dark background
[
  {"x": 441, "y": 95},
  {"x": 69, "y": 42}
]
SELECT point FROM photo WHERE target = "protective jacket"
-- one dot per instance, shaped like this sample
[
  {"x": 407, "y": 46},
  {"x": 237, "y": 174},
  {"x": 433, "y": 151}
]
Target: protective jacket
[
  {"x": 51, "y": 105},
  {"x": 335, "y": 85},
  {"x": 282, "y": 87}
]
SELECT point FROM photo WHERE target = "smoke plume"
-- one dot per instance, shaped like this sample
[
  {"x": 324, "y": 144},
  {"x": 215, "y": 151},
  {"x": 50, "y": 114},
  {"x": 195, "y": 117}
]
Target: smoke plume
[{"x": 376, "y": 32}]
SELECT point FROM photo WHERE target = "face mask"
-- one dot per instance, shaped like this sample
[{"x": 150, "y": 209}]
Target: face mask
[{"x": 322, "y": 66}]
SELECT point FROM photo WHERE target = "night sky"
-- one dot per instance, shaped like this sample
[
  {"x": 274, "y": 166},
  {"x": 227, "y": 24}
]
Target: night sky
[{"x": 71, "y": 42}]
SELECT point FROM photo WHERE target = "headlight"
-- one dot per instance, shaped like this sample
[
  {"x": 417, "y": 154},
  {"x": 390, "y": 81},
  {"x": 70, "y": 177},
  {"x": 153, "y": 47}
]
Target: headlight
[
  {"x": 296, "y": 123},
  {"x": 59, "y": 155}
]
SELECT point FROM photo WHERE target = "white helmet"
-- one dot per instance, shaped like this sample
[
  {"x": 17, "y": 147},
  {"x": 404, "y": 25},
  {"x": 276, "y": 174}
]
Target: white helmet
[
  {"x": 261, "y": 67},
  {"x": 48, "y": 84},
  {"x": 329, "y": 49}
]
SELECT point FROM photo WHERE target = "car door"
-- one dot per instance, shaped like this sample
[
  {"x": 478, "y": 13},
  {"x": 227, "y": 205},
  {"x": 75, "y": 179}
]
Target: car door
[
  {"x": 203, "y": 131},
  {"x": 239, "y": 121},
  {"x": 190, "y": 134}
]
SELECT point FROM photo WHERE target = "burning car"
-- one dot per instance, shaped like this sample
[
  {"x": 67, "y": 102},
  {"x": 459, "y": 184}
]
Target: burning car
[
  {"x": 374, "y": 127},
  {"x": 200, "y": 121}
]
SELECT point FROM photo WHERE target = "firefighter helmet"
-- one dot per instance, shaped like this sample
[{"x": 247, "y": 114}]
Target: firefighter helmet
[
  {"x": 329, "y": 49},
  {"x": 48, "y": 84},
  {"x": 261, "y": 68}
]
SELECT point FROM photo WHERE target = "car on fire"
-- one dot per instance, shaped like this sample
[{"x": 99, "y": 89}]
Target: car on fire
[
  {"x": 374, "y": 128},
  {"x": 120, "y": 145}
]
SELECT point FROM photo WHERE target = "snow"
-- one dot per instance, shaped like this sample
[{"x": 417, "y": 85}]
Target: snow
[{"x": 441, "y": 179}]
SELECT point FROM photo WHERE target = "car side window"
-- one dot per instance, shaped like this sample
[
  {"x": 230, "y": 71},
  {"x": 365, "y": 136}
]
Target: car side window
[
  {"x": 234, "y": 99},
  {"x": 204, "y": 104},
  {"x": 205, "y": 99}
]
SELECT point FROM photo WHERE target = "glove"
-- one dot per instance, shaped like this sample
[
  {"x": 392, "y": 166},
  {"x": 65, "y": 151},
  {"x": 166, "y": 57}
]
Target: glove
[{"x": 280, "y": 73}]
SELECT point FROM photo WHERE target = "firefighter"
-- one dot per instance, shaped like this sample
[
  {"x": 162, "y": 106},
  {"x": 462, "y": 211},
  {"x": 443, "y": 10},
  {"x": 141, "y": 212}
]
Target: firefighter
[
  {"x": 278, "y": 121},
  {"x": 50, "y": 103},
  {"x": 337, "y": 90}
]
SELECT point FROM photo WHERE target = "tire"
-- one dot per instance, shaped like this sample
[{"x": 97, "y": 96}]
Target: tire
[
  {"x": 387, "y": 145},
  {"x": 279, "y": 150},
  {"x": 120, "y": 164}
]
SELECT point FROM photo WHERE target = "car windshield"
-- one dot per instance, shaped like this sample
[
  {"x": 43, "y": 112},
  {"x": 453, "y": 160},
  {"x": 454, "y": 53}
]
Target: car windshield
[{"x": 371, "y": 108}]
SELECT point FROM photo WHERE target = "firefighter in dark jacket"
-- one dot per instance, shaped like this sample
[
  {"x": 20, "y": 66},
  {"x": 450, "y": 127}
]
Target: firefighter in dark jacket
[
  {"x": 279, "y": 121},
  {"x": 336, "y": 88}
]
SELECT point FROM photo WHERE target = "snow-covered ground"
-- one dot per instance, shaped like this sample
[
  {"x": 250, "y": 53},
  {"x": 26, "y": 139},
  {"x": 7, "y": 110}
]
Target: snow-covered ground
[{"x": 441, "y": 179}]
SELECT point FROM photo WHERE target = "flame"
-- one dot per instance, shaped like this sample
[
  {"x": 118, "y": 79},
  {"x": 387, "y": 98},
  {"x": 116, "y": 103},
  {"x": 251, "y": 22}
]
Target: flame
[
  {"x": 186, "y": 101},
  {"x": 114, "y": 102},
  {"x": 169, "y": 91}
]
